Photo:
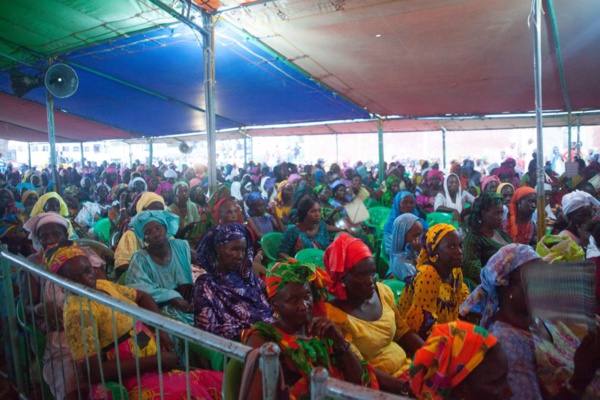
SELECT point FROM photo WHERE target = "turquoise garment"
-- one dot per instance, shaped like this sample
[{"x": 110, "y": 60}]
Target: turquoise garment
[
  {"x": 166, "y": 218},
  {"x": 294, "y": 240},
  {"x": 160, "y": 281}
]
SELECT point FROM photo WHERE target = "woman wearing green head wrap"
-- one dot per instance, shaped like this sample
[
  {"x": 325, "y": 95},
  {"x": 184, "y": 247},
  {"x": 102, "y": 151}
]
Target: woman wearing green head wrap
[
  {"x": 163, "y": 268},
  {"x": 392, "y": 185},
  {"x": 188, "y": 214}
]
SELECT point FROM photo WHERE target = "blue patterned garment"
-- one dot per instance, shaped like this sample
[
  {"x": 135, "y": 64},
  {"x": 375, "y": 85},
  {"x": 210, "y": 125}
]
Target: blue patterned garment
[{"x": 225, "y": 303}]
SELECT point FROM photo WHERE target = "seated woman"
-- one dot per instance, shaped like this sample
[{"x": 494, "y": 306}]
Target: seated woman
[
  {"x": 404, "y": 203},
  {"x": 340, "y": 194},
  {"x": 547, "y": 360},
  {"x": 460, "y": 361},
  {"x": 329, "y": 214},
  {"x": 89, "y": 325},
  {"x": 453, "y": 199},
  {"x": 578, "y": 207},
  {"x": 306, "y": 340},
  {"x": 11, "y": 223},
  {"x": 228, "y": 297},
  {"x": 28, "y": 199},
  {"x": 186, "y": 210},
  {"x": 309, "y": 232},
  {"x": 284, "y": 201},
  {"x": 429, "y": 188},
  {"x": 392, "y": 184},
  {"x": 258, "y": 221},
  {"x": 435, "y": 293},
  {"x": 405, "y": 247},
  {"x": 163, "y": 269},
  {"x": 485, "y": 235},
  {"x": 364, "y": 310},
  {"x": 129, "y": 242},
  {"x": 519, "y": 225},
  {"x": 490, "y": 184},
  {"x": 52, "y": 202}
]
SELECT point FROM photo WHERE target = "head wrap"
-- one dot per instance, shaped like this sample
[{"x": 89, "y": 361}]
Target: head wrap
[
  {"x": 483, "y": 202},
  {"x": 24, "y": 185},
  {"x": 449, "y": 355},
  {"x": 146, "y": 199},
  {"x": 36, "y": 222},
  {"x": 220, "y": 203},
  {"x": 335, "y": 185},
  {"x": 401, "y": 253},
  {"x": 170, "y": 174},
  {"x": 511, "y": 221},
  {"x": 26, "y": 195},
  {"x": 206, "y": 254},
  {"x": 236, "y": 190},
  {"x": 250, "y": 198},
  {"x": 320, "y": 177},
  {"x": 433, "y": 237},
  {"x": 293, "y": 178},
  {"x": 488, "y": 179},
  {"x": 576, "y": 200},
  {"x": 504, "y": 170},
  {"x": 502, "y": 186},
  {"x": 484, "y": 299},
  {"x": 138, "y": 179},
  {"x": 341, "y": 255},
  {"x": 388, "y": 196},
  {"x": 317, "y": 190},
  {"x": 435, "y": 172},
  {"x": 388, "y": 228},
  {"x": 56, "y": 256},
  {"x": 110, "y": 170},
  {"x": 162, "y": 187},
  {"x": 282, "y": 185},
  {"x": 282, "y": 273},
  {"x": 180, "y": 183},
  {"x": 165, "y": 218},
  {"x": 38, "y": 208},
  {"x": 195, "y": 182},
  {"x": 457, "y": 205}
]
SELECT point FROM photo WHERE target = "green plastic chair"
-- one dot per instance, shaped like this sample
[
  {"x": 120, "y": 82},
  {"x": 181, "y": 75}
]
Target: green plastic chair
[
  {"x": 382, "y": 260},
  {"x": 215, "y": 359},
  {"x": 102, "y": 230},
  {"x": 371, "y": 202},
  {"x": 232, "y": 379},
  {"x": 396, "y": 285},
  {"x": 312, "y": 256},
  {"x": 270, "y": 244},
  {"x": 377, "y": 218},
  {"x": 439, "y": 217}
]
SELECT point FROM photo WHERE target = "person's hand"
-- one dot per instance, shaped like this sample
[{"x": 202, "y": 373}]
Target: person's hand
[
  {"x": 165, "y": 341},
  {"x": 323, "y": 328},
  {"x": 257, "y": 267},
  {"x": 456, "y": 216},
  {"x": 586, "y": 360},
  {"x": 169, "y": 360},
  {"x": 182, "y": 305},
  {"x": 185, "y": 290}
]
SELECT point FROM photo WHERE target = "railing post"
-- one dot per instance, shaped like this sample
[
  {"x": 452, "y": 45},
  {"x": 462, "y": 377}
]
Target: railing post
[
  {"x": 13, "y": 332},
  {"x": 269, "y": 366},
  {"x": 318, "y": 377}
]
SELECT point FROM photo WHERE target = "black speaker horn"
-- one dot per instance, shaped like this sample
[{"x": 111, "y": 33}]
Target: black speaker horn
[
  {"x": 185, "y": 148},
  {"x": 21, "y": 83}
]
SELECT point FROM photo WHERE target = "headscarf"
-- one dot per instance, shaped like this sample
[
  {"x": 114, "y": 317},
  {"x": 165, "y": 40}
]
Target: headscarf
[
  {"x": 320, "y": 177},
  {"x": 576, "y": 200},
  {"x": 170, "y": 174},
  {"x": 341, "y": 255},
  {"x": 162, "y": 187},
  {"x": 165, "y": 218},
  {"x": 435, "y": 172},
  {"x": 250, "y": 198},
  {"x": 388, "y": 228},
  {"x": 502, "y": 186},
  {"x": 282, "y": 273},
  {"x": 293, "y": 178},
  {"x": 449, "y": 355},
  {"x": 36, "y": 222},
  {"x": 504, "y": 170},
  {"x": 180, "y": 183},
  {"x": 335, "y": 185},
  {"x": 26, "y": 195},
  {"x": 236, "y": 190},
  {"x": 488, "y": 179},
  {"x": 146, "y": 199},
  {"x": 220, "y": 203},
  {"x": 206, "y": 255},
  {"x": 138, "y": 179},
  {"x": 388, "y": 196},
  {"x": 56, "y": 256},
  {"x": 38, "y": 208},
  {"x": 456, "y": 205},
  {"x": 317, "y": 190},
  {"x": 195, "y": 182},
  {"x": 511, "y": 221},
  {"x": 433, "y": 237},
  {"x": 401, "y": 253},
  {"x": 282, "y": 185},
  {"x": 484, "y": 299},
  {"x": 24, "y": 185},
  {"x": 484, "y": 202}
]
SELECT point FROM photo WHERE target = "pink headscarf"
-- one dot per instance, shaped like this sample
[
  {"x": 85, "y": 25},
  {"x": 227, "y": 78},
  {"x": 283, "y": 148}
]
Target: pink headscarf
[
  {"x": 435, "y": 172},
  {"x": 488, "y": 179}
]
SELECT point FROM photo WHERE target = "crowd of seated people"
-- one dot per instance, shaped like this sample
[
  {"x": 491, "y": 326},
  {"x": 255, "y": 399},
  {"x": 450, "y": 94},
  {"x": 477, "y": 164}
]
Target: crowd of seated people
[{"x": 457, "y": 242}]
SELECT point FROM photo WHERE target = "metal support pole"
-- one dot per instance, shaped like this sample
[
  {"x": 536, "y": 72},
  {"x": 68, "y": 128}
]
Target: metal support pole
[
  {"x": 578, "y": 138},
  {"x": 269, "y": 366},
  {"x": 82, "y": 157},
  {"x": 209, "y": 97},
  {"x": 444, "y": 147},
  {"x": 245, "y": 149},
  {"x": 381, "y": 174},
  {"x": 130, "y": 156},
  {"x": 569, "y": 146},
  {"x": 318, "y": 378},
  {"x": 539, "y": 123},
  {"x": 337, "y": 149},
  {"x": 150, "y": 151},
  {"x": 11, "y": 315},
  {"x": 29, "y": 154},
  {"x": 52, "y": 137}
]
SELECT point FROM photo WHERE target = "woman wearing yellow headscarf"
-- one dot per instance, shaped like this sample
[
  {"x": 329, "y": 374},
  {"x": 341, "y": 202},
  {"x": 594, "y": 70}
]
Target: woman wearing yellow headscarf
[
  {"x": 52, "y": 202},
  {"x": 436, "y": 292}
]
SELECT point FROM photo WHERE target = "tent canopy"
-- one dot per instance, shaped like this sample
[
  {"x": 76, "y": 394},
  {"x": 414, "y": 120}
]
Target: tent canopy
[{"x": 283, "y": 64}]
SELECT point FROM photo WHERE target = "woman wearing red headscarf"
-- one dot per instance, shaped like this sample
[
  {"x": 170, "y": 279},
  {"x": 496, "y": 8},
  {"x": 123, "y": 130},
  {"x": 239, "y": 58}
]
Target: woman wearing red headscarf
[
  {"x": 365, "y": 311},
  {"x": 519, "y": 225}
]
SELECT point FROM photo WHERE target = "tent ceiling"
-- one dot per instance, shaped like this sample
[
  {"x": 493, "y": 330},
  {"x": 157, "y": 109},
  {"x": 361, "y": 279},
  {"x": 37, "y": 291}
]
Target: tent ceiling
[{"x": 141, "y": 75}]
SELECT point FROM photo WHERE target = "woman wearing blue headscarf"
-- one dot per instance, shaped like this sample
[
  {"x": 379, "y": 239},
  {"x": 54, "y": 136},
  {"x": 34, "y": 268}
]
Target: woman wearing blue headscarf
[
  {"x": 405, "y": 246},
  {"x": 404, "y": 202},
  {"x": 163, "y": 268}
]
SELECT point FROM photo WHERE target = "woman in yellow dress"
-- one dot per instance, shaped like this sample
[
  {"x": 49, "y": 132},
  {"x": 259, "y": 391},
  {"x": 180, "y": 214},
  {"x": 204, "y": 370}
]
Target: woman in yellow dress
[{"x": 435, "y": 293}]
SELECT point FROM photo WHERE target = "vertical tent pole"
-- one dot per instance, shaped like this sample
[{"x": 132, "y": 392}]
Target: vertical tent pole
[
  {"x": 569, "y": 148},
  {"x": 150, "y": 151},
  {"x": 337, "y": 149},
  {"x": 130, "y": 156},
  {"x": 82, "y": 156},
  {"x": 444, "y": 147},
  {"x": 52, "y": 137},
  {"x": 209, "y": 96},
  {"x": 578, "y": 138},
  {"x": 29, "y": 153},
  {"x": 537, "y": 73},
  {"x": 245, "y": 148},
  {"x": 381, "y": 173}
]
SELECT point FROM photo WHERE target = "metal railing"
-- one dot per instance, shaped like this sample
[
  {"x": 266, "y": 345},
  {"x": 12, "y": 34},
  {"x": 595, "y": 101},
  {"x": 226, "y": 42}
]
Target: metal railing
[{"x": 322, "y": 386}]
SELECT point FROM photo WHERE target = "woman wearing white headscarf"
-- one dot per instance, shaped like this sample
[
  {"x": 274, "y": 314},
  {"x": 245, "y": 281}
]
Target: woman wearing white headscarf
[
  {"x": 454, "y": 198},
  {"x": 578, "y": 208}
]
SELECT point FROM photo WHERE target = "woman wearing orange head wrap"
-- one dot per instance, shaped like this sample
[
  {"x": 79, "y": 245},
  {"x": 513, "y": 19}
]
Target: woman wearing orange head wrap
[
  {"x": 365, "y": 311},
  {"x": 519, "y": 225}
]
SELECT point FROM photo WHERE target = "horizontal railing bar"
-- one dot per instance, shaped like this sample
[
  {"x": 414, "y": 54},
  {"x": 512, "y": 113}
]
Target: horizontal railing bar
[
  {"x": 232, "y": 349},
  {"x": 340, "y": 390}
]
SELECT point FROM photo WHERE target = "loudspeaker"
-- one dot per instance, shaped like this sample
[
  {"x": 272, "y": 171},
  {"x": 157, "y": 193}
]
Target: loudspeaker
[
  {"x": 21, "y": 84},
  {"x": 61, "y": 80}
]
